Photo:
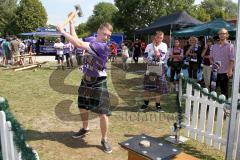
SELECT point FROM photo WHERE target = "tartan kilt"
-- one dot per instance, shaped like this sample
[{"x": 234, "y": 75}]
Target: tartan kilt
[
  {"x": 155, "y": 83},
  {"x": 93, "y": 95}
]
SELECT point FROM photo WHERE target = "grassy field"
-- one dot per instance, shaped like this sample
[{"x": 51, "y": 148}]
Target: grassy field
[{"x": 44, "y": 102}]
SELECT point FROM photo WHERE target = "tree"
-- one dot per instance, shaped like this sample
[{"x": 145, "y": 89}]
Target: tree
[
  {"x": 220, "y": 8},
  {"x": 178, "y": 5},
  {"x": 103, "y": 12},
  {"x": 82, "y": 30},
  {"x": 231, "y": 9},
  {"x": 30, "y": 15},
  {"x": 137, "y": 14},
  {"x": 201, "y": 14},
  {"x": 7, "y": 13}
]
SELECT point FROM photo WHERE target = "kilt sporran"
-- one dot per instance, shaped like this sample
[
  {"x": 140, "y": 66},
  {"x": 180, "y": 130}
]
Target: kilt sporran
[{"x": 154, "y": 80}]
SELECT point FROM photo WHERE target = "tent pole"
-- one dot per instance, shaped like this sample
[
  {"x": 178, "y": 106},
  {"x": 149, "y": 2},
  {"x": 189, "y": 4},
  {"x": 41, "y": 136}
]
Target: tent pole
[
  {"x": 206, "y": 38},
  {"x": 170, "y": 37},
  {"x": 235, "y": 96}
]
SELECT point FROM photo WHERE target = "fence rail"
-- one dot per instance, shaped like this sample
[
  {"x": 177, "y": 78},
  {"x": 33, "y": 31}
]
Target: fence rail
[{"x": 206, "y": 119}]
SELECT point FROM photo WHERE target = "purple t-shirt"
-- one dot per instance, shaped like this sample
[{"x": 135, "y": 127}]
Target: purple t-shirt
[
  {"x": 96, "y": 59},
  {"x": 222, "y": 54},
  {"x": 89, "y": 39}
]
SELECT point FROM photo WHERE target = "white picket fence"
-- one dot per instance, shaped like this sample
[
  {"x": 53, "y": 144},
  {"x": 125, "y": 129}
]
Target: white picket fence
[
  {"x": 9, "y": 150},
  {"x": 205, "y": 122}
]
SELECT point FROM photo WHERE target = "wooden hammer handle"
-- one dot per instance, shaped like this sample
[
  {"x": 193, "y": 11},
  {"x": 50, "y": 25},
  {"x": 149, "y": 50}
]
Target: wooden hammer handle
[{"x": 70, "y": 17}]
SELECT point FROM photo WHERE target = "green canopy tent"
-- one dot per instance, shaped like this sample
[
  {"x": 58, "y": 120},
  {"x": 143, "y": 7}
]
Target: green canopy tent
[{"x": 207, "y": 29}]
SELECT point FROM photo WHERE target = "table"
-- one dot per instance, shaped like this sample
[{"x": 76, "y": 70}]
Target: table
[
  {"x": 159, "y": 149},
  {"x": 182, "y": 156}
]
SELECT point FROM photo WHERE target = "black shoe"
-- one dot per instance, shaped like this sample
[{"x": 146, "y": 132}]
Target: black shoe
[
  {"x": 81, "y": 133},
  {"x": 107, "y": 148},
  {"x": 143, "y": 108},
  {"x": 159, "y": 109}
]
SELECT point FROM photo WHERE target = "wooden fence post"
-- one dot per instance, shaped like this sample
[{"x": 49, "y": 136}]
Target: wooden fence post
[
  {"x": 210, "y": 121},
  {"x": 3, "y": 134},
  {"x": 219, "y": 125},
  {"x": 203, "y": 117},
  {"x": 11, "y": 148},
  {"x": 194, "y": 126},
  {"x": 188, "y": 109}
]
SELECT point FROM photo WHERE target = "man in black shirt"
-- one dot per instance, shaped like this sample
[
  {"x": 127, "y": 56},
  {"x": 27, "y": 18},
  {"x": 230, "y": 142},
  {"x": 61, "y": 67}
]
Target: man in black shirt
[{"x": 136, "y": 50}]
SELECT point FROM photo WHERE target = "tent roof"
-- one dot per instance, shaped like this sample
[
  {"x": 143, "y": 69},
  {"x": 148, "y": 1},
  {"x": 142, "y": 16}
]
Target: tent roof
[
  {"x": 207, "y": 29},
  {"x": 42, "y": 34},
  {"x": 175, "y": 20}
]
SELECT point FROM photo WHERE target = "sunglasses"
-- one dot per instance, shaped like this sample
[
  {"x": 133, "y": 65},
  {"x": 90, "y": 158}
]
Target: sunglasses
[
  {"x": 108, "y": 35},
  {"x": 222, "y": 33}
]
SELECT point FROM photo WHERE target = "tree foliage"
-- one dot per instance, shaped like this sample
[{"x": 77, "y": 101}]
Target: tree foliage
[
  {"x": 201, "y": 14},
  {"x": 29, "y": 15},
  {"x": 7, "y": 13},
  {"x": 220, "y": 8},
  {"x": 231, "y": 9},
  {"x": 126, "y": 15},
  {"x": 82, "y": 30},
  {"x": 103, "y": 12},
  {"x": 137, "y": 14},
  {"x": 178, "y": 5}
]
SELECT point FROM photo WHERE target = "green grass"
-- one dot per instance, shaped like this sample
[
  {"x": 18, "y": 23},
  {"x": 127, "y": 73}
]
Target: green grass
[{"x": 45, "y": 102}]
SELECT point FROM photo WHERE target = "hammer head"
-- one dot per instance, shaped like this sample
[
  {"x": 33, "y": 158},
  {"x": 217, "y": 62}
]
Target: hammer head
[{"x": 79, "y": 10}]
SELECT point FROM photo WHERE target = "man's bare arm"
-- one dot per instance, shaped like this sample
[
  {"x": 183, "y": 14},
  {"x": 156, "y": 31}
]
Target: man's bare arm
[
  {"x": 230, "y": 68},
  {"x": 72, "y": 29},
  {"x": 72, "y": 39}
]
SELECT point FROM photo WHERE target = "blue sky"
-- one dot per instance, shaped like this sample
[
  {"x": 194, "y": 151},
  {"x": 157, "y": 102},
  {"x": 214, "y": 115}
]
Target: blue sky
[{"x": 58, "y": 10}]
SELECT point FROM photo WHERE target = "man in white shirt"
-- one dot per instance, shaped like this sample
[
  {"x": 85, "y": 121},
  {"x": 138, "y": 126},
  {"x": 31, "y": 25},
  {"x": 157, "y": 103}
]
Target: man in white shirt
[
  {"x": 59, "y": 46},
  {"x": 154, "y": 78},
  {"x": 22, "y": 48}
]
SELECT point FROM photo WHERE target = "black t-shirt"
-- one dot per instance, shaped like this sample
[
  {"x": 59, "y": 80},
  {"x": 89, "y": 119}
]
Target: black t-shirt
[
  {"x": 206, "y": 61},
  {"x": 137, "y": 48}
]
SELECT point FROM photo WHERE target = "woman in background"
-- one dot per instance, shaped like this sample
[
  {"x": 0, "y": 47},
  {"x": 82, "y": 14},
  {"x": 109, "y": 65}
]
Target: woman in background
[
  {"x": 207, "y": 63},
  {"x": 125, "y": 56},
  {"x": 194, "y": 55},
  {"x": 176, "y": 58}
]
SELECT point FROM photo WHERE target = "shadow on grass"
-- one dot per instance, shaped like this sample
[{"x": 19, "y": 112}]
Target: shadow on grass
[
  {"x": 129, "y": 87},
  {"x": 193, "y": 151},
  {"x": 62, "y": 111},
  {"x": 124, "y": 88},
  {"x": 61, "y": 137},
  {"x": 168, "y": 104},
  {"x": 56, "y": 82}
]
